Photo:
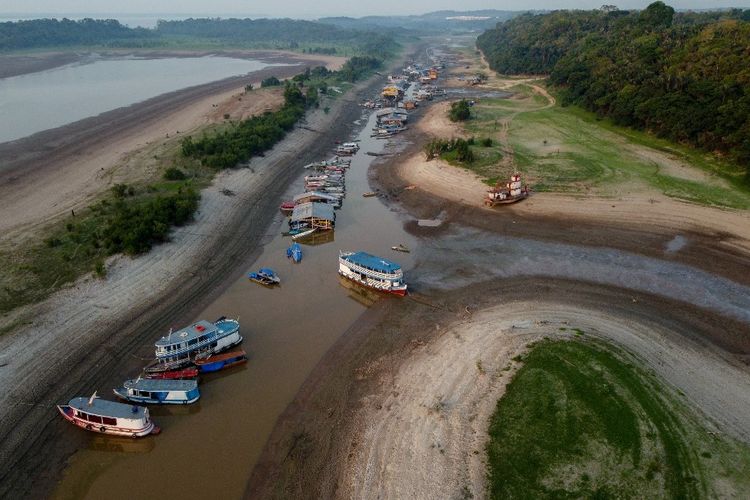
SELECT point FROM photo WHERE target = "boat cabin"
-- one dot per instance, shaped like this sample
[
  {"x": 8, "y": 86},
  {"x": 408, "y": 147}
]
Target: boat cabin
[
  {"x": 108, "y": 417},
  {"x": 312, "y": 215},
  {"x": 159, "y": 391}
]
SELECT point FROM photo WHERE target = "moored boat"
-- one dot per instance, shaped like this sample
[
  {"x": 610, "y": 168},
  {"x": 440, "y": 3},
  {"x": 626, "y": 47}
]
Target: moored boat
[
  {"x": 159, "y": 391},
  {"x": 183, "y": 374},
  {"x": 216, "y": 362},
  {"x": 287, "y": 208},
  {"x": 264, "y": 276},
  {"x": 108, "y": 417},
  {"x": 177, "y": 350},
  {"x": 372, "y": 272},
  {"x": 294, "y": 252}
]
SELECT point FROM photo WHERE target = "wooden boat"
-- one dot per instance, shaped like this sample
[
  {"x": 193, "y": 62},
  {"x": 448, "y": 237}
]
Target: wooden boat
[
  {"x": 216, "y": 362},
  {"x": 177, "y": 350},
  {"x": 159, "y": 391},
  {"x": 287, "y": 208},
  {"x": 369, "y": 194},
  {"x": 184, "y": 374},
  {"x": 373, "y": 272},
  {"x": 265, "y": 276},
  {"x": 400, "y": 248},
  {"x": 294, "y": 252},
  {"x": 108, "y": 417}
]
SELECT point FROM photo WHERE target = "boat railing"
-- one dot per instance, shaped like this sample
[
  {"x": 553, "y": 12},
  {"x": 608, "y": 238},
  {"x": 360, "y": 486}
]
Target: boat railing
[{"x": 370, "y": 272}]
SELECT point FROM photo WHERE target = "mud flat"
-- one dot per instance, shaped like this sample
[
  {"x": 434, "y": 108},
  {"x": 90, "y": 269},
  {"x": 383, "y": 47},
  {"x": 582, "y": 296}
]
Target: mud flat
[{"x": 84, "y": 334}]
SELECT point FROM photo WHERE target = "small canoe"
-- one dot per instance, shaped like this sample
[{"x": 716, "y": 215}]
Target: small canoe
[
  {"x": 369, "y": 194},
  {"x": 294, "y": 252},
  {"x": 217, "y": 362},
  {"x": 184, "y": 374},
  {"x": 303, "y": 234},
  {"x": 400, "y": 248}
]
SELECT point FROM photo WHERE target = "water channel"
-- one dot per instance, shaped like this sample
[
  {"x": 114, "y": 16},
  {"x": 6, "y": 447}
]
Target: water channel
[{"x": 209, "y": 449}]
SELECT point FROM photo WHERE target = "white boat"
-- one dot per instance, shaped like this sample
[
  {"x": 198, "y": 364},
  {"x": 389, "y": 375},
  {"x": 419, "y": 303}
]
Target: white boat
[
  {"x": 372, "y": 272},
  {"x": 108, "y": 417},
  {"x": 159, "y": 391},
  {"x": 301, "y": 235}
]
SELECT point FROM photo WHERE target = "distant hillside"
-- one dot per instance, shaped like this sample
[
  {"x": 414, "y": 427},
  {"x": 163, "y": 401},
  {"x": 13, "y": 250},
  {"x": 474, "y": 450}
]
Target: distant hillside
[
  {"x": 683, "y": 76},
  {"x": 266, "y": 33},
  {"x": 431, "y": 23}
]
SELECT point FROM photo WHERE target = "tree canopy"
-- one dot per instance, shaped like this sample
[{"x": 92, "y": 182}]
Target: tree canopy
[{"x": 682, "y": 76}]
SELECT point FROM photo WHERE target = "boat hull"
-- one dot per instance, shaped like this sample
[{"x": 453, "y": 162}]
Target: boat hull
[
  {"x": 185, "y": 374},
  {"x": 399, "y": 292}
]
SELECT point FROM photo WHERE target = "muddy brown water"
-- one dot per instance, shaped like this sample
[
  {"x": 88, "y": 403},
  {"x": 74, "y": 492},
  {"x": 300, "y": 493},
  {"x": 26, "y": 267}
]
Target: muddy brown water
[{"x": 209, "y": 449}]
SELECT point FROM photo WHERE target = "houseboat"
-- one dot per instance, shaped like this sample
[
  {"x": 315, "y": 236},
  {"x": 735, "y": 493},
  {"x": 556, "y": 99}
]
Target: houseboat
[
  {"x": 216, "y": 362},
  {"x": 372, "y": 272},
  {"x": 318, "y": 197},
  {"x": 510, "y": 192},
  {"x": 159, "y": 391},
  {"x": 312, "y": 215},
  {"x": 108, "y": 417},
  {"x": 179, "y": 349}
]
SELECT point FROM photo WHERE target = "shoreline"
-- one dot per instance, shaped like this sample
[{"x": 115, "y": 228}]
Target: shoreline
[{"x": 142, "y": 295}]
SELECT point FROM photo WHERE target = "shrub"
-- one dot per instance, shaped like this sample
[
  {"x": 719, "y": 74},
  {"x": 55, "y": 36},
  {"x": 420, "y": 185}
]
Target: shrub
[
  {"x": 174, "y": 174},
  {"x": 459, "y": 111},
  {"x": 487, "y": 142},
  {"x": 271, "y": 81}
]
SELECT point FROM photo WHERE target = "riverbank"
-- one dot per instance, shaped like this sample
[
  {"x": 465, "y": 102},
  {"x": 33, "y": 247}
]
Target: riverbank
[
  {"x": 53, "y": 172},
  {"x": 140, "y": 296}
]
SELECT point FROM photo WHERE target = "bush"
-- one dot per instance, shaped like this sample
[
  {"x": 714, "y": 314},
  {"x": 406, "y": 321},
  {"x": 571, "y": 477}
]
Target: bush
[
  {"x": 174, "y": 174},
  {"x": 458, "y": 147},
  {"x": 99, "y": 269},
  {"x": 459, "y": 111},
  {"x": 271, "y": 81},
  {"x": 487, "y": 142}
]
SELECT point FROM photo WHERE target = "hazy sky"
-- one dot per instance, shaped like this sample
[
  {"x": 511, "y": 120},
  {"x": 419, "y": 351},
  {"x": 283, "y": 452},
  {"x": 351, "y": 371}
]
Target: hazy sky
[{"x": 317, "y": 8}]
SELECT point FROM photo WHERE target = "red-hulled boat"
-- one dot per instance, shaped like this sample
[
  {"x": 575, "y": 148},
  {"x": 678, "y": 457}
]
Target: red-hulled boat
[
  {"x": 287, "y": 208},
  {"x": 216, "y": 362},
  {"x": 184, "y": 374}
]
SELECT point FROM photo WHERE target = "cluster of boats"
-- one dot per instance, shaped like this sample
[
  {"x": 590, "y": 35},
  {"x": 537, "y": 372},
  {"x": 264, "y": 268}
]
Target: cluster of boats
[
  {"x": 172, "y": 378},
  {"x": 389, "y": 122}
]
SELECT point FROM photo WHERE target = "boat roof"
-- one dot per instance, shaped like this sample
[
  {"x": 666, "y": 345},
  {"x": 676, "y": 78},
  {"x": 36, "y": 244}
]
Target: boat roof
[
  {"x": 372, "y": 262},
  {"x": 154, "y": 384},
  {"x": 312, "y": 209},
  {"x": 105, "y": 408},
  {"x": 316, "y": 194},
  {"x": 188, "y": 333}
]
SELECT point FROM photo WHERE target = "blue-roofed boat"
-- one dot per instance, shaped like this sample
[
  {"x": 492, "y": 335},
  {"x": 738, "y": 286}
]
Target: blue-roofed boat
[
  {"x": 108, "y": 417},
  {"x": 372, "y": 272},
  {"x": 265, "y": 276},
  {"x": 180, "y": 348},
  {"x": 216, "y": 362},
  {"x": 294, "y": 252},
  {"x": 159, "y": 391}
]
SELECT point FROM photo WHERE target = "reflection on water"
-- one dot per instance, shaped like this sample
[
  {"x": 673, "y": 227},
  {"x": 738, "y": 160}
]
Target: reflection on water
[
  {"x": 48, "y": 99},
  {"x": 365, "y": 296},
  {"x": 287, "y": 330},
  {"x": 121, "y": 444}
]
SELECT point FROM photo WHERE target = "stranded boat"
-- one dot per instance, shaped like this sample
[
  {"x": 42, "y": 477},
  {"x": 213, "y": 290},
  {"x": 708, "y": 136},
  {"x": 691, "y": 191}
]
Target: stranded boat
[
  {"x": 347, "y": 149},
  {"x": 509, "y": 192},
  {"x": 179, "y": 349},
  {"x": 372, "y": 272},
  {"x": 108, "y": 417},
  {"x": 216, "y": 362},
  {"x": 265, "y": 276},
  {"x": 159, "y": 391}
]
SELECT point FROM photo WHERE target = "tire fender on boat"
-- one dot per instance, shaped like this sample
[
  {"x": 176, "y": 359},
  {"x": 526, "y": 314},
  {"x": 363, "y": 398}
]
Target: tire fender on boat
[
  {"x": 89, "y": 426},
  {"x": 102, "y": 429}
]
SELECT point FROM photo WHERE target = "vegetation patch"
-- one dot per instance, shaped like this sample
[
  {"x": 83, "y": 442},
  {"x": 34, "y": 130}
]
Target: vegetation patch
[{"x": 579, "y": 420}]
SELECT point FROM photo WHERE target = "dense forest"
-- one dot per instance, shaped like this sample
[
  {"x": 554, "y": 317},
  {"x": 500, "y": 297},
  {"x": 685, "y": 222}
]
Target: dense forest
[
  {"x": 682, "y": 76},
  {"x": 267, "y": 33}
]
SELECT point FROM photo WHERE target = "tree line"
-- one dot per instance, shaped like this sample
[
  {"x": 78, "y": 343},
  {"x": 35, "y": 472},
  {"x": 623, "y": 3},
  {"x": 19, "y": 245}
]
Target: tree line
[
  {"x": 682, "y": 76},
  {"x": 223, "y": 32}
]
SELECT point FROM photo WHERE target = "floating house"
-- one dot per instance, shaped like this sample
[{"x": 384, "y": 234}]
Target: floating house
[{"x": 311, "y": 215}]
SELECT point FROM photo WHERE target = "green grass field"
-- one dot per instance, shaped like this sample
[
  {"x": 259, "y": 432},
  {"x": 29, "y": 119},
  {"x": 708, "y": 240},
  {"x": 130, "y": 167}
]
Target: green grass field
[
  {"x": 581, "y": 420},
  {"x": 568, "y": 150}
]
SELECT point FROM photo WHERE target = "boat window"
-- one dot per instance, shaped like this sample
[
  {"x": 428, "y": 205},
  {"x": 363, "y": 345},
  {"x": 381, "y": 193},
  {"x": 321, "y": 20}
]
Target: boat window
[
  {"x": 193, "y": 342},
  {"x": 95, "y": 419},
  {"x": 109, "y": 421},
  {"x": 144, "y": 394},
  {"x": 81, "y": 414}
]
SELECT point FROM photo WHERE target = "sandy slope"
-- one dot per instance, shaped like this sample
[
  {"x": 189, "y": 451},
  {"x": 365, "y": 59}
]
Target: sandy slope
[
  {"x": 422, "y": 435},
  {"x": 63, "y": 177}
]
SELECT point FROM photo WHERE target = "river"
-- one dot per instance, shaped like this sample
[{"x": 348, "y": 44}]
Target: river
[
  {"x": 48, "y": 99},
  {"x": 210, "y": 448}
]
